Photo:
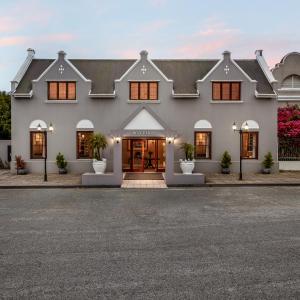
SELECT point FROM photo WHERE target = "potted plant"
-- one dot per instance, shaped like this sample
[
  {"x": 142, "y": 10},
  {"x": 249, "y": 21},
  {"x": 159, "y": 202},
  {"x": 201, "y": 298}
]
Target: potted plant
[
  {"x": 225, "y": 163},
  {"x": 61, "y": 163},
  {"x": 98, "y": 143},
  {"x": 267, "y": 163},
  {"x": 20, "y": 165},
  {"x": 188, "y": 164}
]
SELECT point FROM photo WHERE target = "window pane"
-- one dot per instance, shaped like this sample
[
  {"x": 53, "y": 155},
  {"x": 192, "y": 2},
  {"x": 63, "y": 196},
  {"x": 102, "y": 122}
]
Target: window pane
[
  {"x": 216, "y": 91},
  {"x": 235, "y": 91},
  {"x": 62, "y": 90},
  {"x": 225, "y": 91},
  {"x": 37, "y": 145},
  {"x": 202, "y": 145},
  {"x": 144, "y": 91},
  {"x": 250, "y": 145},
  {"x": 153, "y": 90},
  {"x": 52, "y": 93},
  {"x": 71, "y": 90},
  {"x": 134, "y": 90},
  {"x": 83, "y": 149}
]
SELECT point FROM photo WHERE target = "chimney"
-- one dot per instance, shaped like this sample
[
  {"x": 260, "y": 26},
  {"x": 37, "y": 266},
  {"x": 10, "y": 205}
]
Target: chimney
[
  {"x": 259, "y": 52},
  {"x": 30, "y": 52},
  {"x": 61, "y": 54},
  {"x": 226, "y": 54},
  {"x": 144, "y": 54}
]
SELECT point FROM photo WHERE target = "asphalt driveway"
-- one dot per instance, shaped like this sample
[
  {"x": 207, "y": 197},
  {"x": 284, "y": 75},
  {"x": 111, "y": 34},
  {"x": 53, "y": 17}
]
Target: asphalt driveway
[{"x": 204, "y": 243}]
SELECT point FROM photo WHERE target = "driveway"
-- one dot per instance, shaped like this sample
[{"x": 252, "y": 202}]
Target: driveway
[{"x": 201, "y": 243}]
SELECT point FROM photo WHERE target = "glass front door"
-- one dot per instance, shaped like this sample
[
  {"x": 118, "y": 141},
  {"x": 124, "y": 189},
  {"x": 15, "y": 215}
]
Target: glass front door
[{"x": 143, "y": 155}]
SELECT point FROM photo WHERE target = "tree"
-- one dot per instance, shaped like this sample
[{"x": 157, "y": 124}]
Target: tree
[
  {"x": 5, "y": 116},
  {"x": 288, "y": 122}
]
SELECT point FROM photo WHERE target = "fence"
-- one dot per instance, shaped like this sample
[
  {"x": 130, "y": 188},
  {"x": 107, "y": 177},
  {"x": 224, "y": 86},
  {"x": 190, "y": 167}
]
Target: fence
[{"x": 289, "y": 150}]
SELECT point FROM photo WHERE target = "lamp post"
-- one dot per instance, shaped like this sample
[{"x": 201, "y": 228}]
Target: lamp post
[
  {"x": 240, "y": 131},
  {"x": 45, "y": 130}
]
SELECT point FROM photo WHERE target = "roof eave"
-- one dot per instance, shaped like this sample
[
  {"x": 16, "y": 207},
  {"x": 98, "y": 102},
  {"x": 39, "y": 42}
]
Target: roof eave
[{"x": 260, "y": 95}]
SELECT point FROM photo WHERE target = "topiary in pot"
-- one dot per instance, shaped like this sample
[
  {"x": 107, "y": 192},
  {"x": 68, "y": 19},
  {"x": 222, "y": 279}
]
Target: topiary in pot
[
  {"x": 98, "y": 143},
  {"x": 187, "y": 166},
  {"x": 267, "y": 163},
  {"x": 225, "y": 163},
  {"x": 61, "y": 163}
]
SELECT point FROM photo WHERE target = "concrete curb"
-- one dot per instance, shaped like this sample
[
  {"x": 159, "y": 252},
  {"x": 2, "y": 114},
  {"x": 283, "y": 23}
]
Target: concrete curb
[{"x": 79, "y": 186}]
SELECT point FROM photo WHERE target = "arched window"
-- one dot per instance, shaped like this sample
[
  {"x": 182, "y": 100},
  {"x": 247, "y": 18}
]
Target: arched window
[
  {"x": 291, "y": 82},
  {"x": 250, "y": 140},
  {"x": 202, "y": 140},
  {"x": 37, "y": 139},
  {"x": 84, "y": 130}
]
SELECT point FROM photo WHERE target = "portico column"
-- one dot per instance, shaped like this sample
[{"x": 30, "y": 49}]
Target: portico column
[
  {"x": 169, "y": 161},
  {"x": 117, "y": 164}
]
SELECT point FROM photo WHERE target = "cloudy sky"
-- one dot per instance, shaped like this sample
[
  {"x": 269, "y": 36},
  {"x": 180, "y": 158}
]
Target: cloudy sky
[{"x": 166, "y": 28}]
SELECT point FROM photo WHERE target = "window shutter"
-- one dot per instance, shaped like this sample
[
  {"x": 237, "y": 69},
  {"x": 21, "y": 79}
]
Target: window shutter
[{"x": 216, "y": 91}]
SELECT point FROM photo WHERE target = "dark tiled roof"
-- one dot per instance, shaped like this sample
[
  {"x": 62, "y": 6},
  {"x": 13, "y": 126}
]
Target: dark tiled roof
[
  {"x": 36, "y": 68},
  {"x": 102, "y": 72},
  {"x": 185, "y": 73},
  {"x": 254, "y": 71}
]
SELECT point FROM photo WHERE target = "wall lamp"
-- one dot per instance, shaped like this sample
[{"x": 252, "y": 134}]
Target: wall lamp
[
  {"x": 170, "y": 140},
  {"x": 117, "y": 139}
]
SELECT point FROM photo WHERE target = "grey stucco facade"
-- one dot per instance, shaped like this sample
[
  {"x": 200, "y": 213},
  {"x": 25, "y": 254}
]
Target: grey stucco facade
[{"x": 177, "y": 110}]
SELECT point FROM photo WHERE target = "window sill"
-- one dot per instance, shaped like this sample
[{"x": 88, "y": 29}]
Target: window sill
[
  {"x": 61, "y": 101},
  {"x": 143, "y": 101},
  {"x": 226, "y": 101},
  {"x": 84, "y": 159}
]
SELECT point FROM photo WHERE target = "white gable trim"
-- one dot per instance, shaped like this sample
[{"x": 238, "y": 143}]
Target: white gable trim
[
  {"x": 69, "y": 63},
  {"x": 258, "y": 95},
  {"x": 23, "y": 95},
  {"x": 143, "y": 121},
  {"x": 211, "y": 70},
  {"x": 151, "y": 63}
]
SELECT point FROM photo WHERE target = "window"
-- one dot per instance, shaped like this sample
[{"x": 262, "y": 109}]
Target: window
[
  {"x": 250, "y": 145},
  {"x": 37, "y": 144},
  {"x": 202, "y": 145},
  {"x": 292, "y": 82},
  {"x": 61, "y": 90},
  {"x": 228, "y": 91},
  {"x": 83, "y": 149},
  {"x": 143, "y": 91}
]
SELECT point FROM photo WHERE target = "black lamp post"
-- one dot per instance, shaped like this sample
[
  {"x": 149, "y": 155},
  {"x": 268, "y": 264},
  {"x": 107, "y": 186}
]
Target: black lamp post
[
  {"x": 240, "y": 131},
  {"x": 45, "y": 130}
]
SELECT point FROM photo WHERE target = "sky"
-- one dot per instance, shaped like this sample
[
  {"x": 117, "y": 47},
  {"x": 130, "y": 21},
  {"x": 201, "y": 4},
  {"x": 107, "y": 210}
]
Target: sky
[{"x": 192, "y": 29}]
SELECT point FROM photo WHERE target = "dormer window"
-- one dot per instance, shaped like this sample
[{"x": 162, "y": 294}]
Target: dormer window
[
  {"x": 143, "y": 90},
  {"x": 61, "y": 90},
  {"x": 291, "y": 82},
  {"x": 226, "y": 91}
]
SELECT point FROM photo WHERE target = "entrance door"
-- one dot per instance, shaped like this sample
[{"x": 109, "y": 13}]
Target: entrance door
[
  {"x": 143, "y": 155},
  {"x": 138, "y": 148}
]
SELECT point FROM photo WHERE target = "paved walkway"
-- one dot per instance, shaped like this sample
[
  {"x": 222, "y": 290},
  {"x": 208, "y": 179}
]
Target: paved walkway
[
  {"x": 251, "y": 178},
  {"x": 8, "y": 179}
]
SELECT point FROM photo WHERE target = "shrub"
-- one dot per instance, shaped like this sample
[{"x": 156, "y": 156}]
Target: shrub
[
  {"x": 188, "y": 151},
  {"x": 97, "y": 143},
  {"x": 268, "y": 162},
  {"x": 226, "y": 160},
  {"x": 20, "y": 163},
  {"x": 60, "y": 161}
]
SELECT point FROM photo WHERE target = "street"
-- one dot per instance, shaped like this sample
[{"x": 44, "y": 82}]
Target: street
[{"x": 197, "y": 243}]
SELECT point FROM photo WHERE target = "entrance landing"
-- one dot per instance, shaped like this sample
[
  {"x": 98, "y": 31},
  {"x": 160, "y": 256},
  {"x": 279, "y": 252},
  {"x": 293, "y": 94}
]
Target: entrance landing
[{"x": 143, "y": 176}]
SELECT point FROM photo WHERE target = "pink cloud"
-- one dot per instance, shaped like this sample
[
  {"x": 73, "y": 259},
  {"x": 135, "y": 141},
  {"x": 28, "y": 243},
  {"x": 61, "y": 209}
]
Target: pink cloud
[
  {"x": 13, "y": 41},
  {"x": 8, "y": 24}
]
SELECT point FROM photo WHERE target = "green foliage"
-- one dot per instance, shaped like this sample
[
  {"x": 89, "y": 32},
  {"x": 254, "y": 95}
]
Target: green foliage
[
  {"x": 226, "y": 160},
  {"x": 5, "y": 118},
  {"x": 268, "y": 162},
  {"x": 188, "y": 151},
  {"x": 60, "y": 161},
  {"x": 97, "y": 143}
]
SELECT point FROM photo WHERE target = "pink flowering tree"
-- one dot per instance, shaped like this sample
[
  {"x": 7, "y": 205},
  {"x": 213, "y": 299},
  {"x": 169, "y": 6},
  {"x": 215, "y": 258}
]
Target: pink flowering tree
[{"x": 289, "y": 123}]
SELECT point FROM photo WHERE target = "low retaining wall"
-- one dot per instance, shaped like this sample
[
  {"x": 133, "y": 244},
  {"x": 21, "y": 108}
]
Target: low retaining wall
[
  {"x": 289, "y": 165},
  {"x": 107, "y": 179}
]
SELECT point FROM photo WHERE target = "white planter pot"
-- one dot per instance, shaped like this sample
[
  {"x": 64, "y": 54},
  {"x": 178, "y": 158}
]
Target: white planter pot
[
  {"x": 187, "y": 166},
  {"x": 99, "y": 166}
]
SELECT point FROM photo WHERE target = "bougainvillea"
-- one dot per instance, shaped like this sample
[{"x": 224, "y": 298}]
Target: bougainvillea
[{"x": 289, "y": 122}]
